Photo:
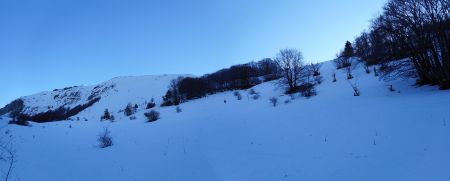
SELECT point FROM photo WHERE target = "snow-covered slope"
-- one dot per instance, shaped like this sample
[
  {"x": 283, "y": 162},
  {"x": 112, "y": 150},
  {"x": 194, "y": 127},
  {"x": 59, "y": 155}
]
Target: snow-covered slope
[
  {"x": 114, "y": 93},
  {"x": 380, "y": 135}
]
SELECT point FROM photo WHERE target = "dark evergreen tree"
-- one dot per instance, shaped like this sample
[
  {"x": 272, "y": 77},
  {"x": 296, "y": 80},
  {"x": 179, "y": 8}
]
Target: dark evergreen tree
[{"x": 348, "y": 50}]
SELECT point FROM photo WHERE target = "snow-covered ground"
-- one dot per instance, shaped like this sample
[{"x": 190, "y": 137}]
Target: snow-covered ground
[{"x": 380, "y": 135}]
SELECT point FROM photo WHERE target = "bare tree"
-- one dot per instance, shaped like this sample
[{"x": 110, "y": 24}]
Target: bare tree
[{"x": 292, "y": 67}]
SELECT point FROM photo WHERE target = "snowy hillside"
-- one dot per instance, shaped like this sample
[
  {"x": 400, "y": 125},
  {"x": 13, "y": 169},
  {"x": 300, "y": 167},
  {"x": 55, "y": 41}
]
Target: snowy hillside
[
  {"x": 380, "y": 135},
  {"x": 114, "y": 93}
]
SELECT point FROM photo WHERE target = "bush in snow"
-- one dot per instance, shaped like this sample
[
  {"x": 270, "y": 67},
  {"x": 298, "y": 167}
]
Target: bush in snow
[
  {"x": 105, "y": 139},
  {"x": 238, "y": 95},
  {"x": 274, "y": 101},
  {"x": 178, "y": 109},
  {"x": 307, "y": 90},
  {"x": 355, "y": 88},
  {"x": 129, "y": 110},
  {"x": 349, "y": 73},
  {"x": 314, "y": 69},
  {"x": 151, "y": 104},
  {"x": 252, "y": 92},
  {"x": 19, "y": 121},
  {"x": 152, "y": 115},
  {"x": 254, "y": 95},
  {"x": 367, "y": 69},
  {"x": 106, "y": 115},
  {"x": 132, "y": 117},
  {"x": 287, "y": 101},
  {"x": 318, "y": 79},
  {"x": 375, "y": 71},
  {"x": 334, "y": 77},
  {"x": 391, "y": 88}
]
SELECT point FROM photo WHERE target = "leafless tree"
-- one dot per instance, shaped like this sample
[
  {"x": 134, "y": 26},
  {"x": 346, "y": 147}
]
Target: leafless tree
[{"x": 292, "y": 67}]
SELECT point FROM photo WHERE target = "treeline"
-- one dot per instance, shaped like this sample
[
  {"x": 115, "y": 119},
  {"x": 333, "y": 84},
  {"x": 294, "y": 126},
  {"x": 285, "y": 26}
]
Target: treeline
[
  {"x": 411, "y": 38},
  {"x": 236, "y": 77},
  {"x": 287, "y": 67}
]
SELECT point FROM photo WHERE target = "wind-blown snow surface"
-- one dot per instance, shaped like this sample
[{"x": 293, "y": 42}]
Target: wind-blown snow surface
[{"x": 380, "y": 135}]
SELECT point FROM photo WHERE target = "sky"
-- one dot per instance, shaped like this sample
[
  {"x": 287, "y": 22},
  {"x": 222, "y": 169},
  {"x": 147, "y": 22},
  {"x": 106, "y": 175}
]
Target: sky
[{"x": 50, "y": 44}]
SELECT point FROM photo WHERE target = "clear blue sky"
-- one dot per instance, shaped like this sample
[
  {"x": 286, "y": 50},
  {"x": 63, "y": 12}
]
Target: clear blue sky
[{"x": 47, "y": 44}]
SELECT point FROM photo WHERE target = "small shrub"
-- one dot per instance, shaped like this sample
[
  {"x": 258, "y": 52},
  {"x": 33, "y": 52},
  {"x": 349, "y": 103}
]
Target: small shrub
[
  {"x": 152, "y": 115},
  {"x": 132, "y": 117},
  {"x": 252, "y": 92},
  {"x": 273, "y": 101},
  {"x": 349, "y": 76},
  {"x": 287, "y": 101},
  {"x": 318, "y": 79},
  {"x": 129, "y": 110},
  {"x": 238, "y": 95},
  {"x": 151, "y": 104},
  {"x": 355, "y": 88},
  {"x": 375, "y": 72},
  {"x": 391, "y": 88},
  {"x": 178, "y": 109},
  {"x": 334, "y": 77},
  {"x": 367, "y": 69},
  {"x": 19, "y": 121},
  {"x": 309, "y": 91},
  {"x": 256, "y": 97},
  {"x": 105, "y": 139},
  {"x": 106, "y": 115}
]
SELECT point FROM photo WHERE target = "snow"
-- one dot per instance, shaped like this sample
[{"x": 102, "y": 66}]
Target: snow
[{"x": 380, "y": 135}]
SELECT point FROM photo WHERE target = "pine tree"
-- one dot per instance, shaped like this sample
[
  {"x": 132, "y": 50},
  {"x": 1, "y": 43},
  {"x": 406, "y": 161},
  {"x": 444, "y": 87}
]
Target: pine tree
[{"x": 348, "y": 50}]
